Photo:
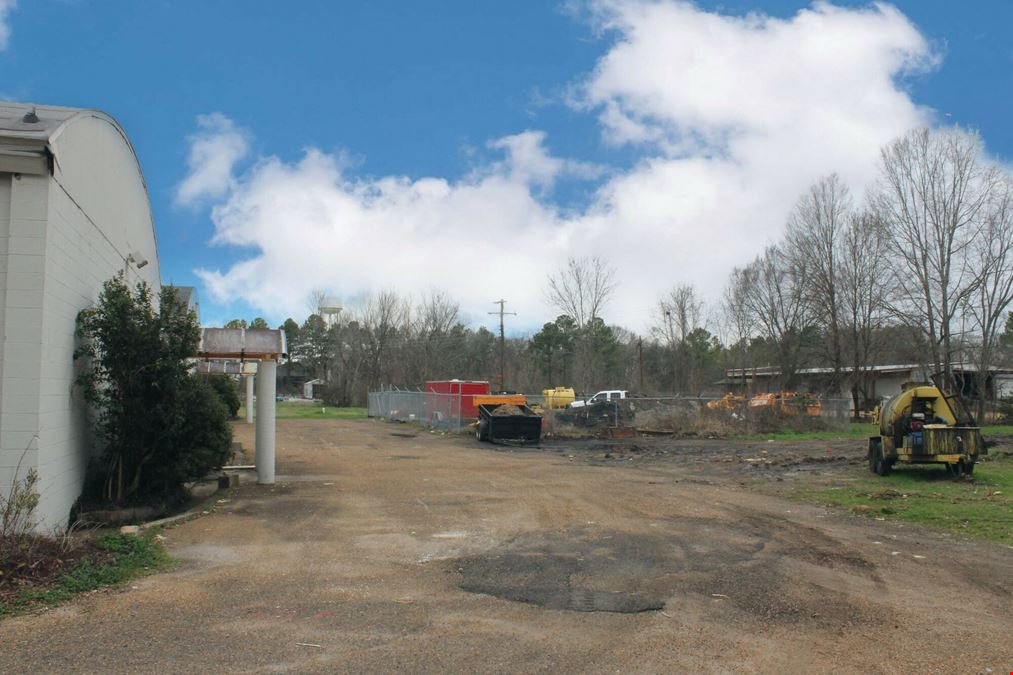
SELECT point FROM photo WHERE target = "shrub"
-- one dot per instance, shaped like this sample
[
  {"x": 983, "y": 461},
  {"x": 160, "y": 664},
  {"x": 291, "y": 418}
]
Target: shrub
[
  {"x": 334, "y": 395},
  {"x": 159, "y": 426},
  {"x": 226, "y": 389},
  {"x": 17, "y": 518}
]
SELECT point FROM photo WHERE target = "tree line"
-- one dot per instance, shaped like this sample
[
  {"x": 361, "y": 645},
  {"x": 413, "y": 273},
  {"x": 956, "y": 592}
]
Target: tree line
[{"x": 919, "y": 271}]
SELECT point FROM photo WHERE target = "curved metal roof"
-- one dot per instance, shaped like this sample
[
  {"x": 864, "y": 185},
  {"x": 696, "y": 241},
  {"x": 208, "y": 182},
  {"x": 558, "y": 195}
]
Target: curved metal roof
[
  {"x": 51, "y": 120},
  {"x": 21, "y": 137}
]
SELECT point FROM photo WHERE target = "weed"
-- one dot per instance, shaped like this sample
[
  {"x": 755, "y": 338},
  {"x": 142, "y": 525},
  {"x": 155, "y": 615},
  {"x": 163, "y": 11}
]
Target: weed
[{"x": 111, "y": 560}]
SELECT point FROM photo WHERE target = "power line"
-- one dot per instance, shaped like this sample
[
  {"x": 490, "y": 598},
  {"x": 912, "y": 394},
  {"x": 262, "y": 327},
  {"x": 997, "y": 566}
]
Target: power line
[{"x": 502, "y": 342}]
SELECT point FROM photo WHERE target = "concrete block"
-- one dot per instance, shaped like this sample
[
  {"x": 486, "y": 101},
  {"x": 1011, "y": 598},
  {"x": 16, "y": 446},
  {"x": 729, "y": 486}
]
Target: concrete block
[
  {"x": 25, "y": 332},
  {"x": 21, "y": 369},
  {"x": 24, "y": 298},
  {"x": 27, "y": 228},
  {"x": 16, "y": 402},
  {"x": 23, "y": 281},
  {"x": 26, "y": 245},
  {"x": 20, "y": 421},
  {"x": 35, "y": 264},
  {"x": 25, "y": 350},
  {"x": 25, "y": 315},
  {"x": 15, "y": 443},
  {"x": 30, "y": 197}
]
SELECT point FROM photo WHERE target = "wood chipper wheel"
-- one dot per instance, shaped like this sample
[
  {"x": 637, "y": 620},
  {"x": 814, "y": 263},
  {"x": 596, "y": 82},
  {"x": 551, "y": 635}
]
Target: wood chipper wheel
[
  {"x": 960, "y": 469},
  {"x": 880, "y": 466},
  {"x": 877, "y": 463},
  {"x": 482, "y": 430}
]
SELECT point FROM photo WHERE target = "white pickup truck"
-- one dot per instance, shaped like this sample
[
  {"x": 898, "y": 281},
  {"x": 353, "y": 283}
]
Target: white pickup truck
[{"x": 608, "y": 395}]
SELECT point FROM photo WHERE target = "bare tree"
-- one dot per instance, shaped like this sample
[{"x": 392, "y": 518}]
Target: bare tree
[
  {"x": 864, "y": 296},
  {"x": 436, "y": 317},
  {"x": 992, "y": 256},
  {"x": 385, "y": 319},
  {"x": 583, "y": 289},
  {"x": 679, "y": 313},
  {"x": 813, "y": 245},
  {"x": 775, "y": 301},
  {"x": 737, "y": 318},
  {"x": 932, "y": 194}
]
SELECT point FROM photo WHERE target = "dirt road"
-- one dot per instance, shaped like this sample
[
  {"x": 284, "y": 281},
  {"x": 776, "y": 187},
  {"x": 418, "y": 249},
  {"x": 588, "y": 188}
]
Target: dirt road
[{"x": 381, "y": 551}]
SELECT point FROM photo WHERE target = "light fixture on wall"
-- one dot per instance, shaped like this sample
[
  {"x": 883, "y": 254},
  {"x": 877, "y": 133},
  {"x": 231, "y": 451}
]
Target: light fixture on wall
[{"x": 138, "y": 259}]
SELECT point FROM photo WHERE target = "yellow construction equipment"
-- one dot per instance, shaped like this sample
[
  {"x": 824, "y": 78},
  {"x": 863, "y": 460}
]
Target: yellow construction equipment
[
  {"x": 923, "y": 425},
  {"x": 560, "y": 397},
  {"x": 729, "y": 402},
  {"x": 789, "y": 403}
]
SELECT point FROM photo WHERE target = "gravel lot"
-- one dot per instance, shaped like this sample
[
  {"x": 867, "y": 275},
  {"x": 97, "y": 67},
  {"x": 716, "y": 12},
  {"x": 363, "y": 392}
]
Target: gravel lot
[{"x": 381, "y": 550}]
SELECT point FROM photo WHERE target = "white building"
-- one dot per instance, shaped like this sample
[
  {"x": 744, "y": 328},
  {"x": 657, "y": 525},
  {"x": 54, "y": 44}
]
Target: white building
[{"x": 74, "y": 211}]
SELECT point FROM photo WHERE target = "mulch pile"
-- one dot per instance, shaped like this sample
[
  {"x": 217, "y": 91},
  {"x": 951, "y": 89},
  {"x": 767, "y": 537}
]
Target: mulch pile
[
  {"x": 505, "y": 410},
  {"x": 34, "y": 561}
]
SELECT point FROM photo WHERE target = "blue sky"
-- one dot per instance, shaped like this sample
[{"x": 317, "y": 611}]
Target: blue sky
[{"x": 385, "y": 89}]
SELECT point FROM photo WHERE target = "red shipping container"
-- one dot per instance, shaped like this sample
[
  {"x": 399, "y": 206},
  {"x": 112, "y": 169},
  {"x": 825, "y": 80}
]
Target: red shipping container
[{"x": 449, "y": 399}]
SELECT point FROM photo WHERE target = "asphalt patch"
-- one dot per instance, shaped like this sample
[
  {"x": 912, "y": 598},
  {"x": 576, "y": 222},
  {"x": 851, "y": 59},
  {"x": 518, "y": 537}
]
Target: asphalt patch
[
  {"x": 752, "y": 566},
  {"x": 547, "y": 580}
]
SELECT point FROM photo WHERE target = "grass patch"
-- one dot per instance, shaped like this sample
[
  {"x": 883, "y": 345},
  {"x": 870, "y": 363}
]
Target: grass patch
[
  {"x": 113, "y": 559},
  {"x": 925, "y": 494},
  {"x": 852, "y": 431},
  {"x": 293, "y": 410}
]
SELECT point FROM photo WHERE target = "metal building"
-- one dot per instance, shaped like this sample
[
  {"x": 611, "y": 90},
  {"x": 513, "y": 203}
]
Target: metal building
[{"x": 74, "y": 211}]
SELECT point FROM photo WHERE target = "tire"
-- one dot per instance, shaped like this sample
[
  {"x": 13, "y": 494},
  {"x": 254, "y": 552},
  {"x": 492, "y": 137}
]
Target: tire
[
  {"x": 482, "y": 430},
  {"x": 881, "y": 467},
  {"x": 877, "y": 464},
  {"x": 957, "y": 469},
  {"x": 969, "y": 468}
]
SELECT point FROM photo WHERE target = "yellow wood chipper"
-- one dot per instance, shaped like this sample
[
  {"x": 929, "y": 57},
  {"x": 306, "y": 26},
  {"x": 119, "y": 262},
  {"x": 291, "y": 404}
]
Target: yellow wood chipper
[{"x": 923, "y": 425}]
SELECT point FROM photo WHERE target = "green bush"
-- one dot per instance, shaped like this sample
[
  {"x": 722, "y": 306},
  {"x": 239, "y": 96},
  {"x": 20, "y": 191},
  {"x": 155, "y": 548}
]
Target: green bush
[
  {"x": 159, "y": 426},
  {"x": 226, "y": 389}
]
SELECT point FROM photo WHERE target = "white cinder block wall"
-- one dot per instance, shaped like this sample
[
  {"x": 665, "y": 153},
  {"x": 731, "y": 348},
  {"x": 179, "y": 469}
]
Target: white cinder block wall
[
  {"x": 22, "y": 229},
  {"x": 67, "y": 235}
]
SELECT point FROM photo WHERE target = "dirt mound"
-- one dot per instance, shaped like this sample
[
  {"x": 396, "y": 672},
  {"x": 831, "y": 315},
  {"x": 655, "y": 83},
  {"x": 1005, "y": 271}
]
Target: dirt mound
[{"x": 507, "y": 410}]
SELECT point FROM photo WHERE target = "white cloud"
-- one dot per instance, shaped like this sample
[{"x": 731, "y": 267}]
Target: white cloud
[
  {"x": 529, "y": 163},
  {"x": 215, "y": 148},
  {"x": 734, "y": 117},
  {"x": 6, "y": 7}
]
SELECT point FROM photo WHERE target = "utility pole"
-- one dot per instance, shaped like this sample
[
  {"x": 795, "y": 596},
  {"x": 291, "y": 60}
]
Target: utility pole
[
  {"x": 640, "y": 357},
  {"x": 502, "y": 342}
]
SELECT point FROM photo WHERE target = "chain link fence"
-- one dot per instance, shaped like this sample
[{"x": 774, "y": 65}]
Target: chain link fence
[
  {"x": 442, "y": 411},
  {"x": 672, "y": 415}
]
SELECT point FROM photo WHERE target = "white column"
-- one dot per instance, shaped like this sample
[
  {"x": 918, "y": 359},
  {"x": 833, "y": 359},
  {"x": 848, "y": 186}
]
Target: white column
[
  {"x": 249, "y": 398},
  {"x": 266, "y": 374}
]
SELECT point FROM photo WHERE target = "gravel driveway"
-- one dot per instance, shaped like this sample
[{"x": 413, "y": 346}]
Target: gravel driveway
[{"x": 381, "y": 551}]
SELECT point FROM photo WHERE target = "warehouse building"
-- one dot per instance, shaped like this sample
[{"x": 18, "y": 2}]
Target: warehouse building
[
  {"x": 882, "y": 381},
  {"x": 74, "y": 212}
]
